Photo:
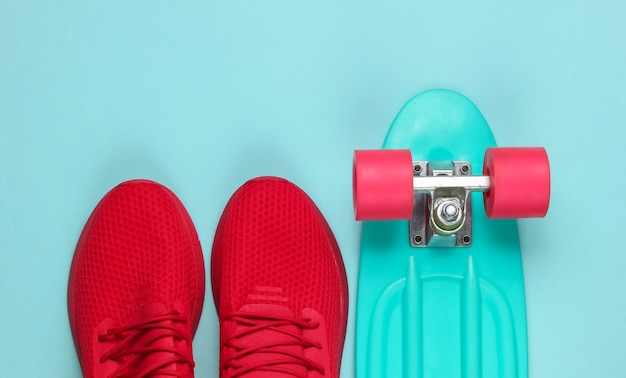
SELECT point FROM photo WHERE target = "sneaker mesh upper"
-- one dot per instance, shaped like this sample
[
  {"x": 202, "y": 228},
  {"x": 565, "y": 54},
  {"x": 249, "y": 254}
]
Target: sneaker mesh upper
[
  {"x": 271, "y": 235},
  {"x": 138, "y": 247}
]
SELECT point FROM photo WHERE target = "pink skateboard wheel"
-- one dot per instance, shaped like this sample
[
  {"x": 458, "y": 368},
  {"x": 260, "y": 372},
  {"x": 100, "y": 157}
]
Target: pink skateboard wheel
[
  {"x": 382, "y": 185},
  {"x": 520, "y": 182}
]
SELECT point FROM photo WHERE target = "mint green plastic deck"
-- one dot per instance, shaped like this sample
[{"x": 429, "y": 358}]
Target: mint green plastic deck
[{"x": 441, "y": 312}]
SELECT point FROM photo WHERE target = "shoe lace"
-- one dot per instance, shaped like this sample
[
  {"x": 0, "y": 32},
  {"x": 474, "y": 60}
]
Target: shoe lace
[
  {"x": 254, "y": 323},
  {"x": 139, "y": 339}
]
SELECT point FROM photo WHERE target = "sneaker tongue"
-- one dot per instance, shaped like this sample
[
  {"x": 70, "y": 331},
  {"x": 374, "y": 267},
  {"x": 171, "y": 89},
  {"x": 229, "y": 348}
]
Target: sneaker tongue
[
  {"x": 267, "y": 336},
  {"x": 163, "y": 340}
]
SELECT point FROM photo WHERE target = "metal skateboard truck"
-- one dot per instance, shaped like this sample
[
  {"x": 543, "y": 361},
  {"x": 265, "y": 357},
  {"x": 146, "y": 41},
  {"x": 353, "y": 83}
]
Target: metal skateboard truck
[{"x": 436, "y": 195}]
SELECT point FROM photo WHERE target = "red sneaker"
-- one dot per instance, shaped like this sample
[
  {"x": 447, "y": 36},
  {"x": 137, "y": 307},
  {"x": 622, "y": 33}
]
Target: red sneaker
[
  {"x": 279, "y": 285},
  {"x": 136, "y": 285}
]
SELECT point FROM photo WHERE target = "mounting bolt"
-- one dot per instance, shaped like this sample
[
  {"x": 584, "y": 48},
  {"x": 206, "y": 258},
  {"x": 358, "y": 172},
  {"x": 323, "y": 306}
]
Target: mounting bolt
[
  {"x": 418, "y": 239},
  {"x": 465, "y": 169}
]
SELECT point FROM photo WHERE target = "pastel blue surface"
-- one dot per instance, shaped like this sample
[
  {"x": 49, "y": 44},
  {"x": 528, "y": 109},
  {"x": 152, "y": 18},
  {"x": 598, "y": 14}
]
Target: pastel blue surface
[{"x": 202, "y": 96}]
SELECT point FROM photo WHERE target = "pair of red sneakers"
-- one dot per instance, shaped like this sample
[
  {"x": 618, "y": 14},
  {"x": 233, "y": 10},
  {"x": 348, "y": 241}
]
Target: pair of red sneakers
[{"x": 137, "y": 283}]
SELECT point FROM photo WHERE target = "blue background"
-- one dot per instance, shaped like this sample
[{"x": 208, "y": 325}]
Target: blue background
[{"x": 202, "y": 96}]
